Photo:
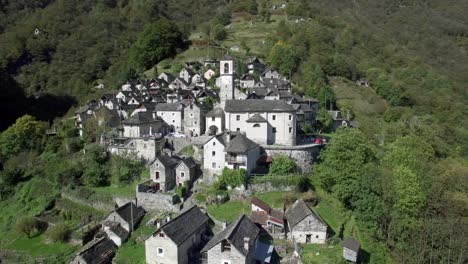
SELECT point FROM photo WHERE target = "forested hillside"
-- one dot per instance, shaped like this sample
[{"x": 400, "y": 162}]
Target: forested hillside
[
  {"x": 403, "y": 173},
  {"x": 77, "y": 45}
]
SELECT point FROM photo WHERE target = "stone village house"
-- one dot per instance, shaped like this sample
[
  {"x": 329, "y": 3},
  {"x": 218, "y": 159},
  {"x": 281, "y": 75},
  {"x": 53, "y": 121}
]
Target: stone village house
[
  {"x": 238, "y": 243},
  {"x": 179, "y": 240},
  {"x": 304, "y": 225}
]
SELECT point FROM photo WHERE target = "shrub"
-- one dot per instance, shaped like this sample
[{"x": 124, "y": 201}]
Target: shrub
[
  {"x": 27, "y": 225},
  {"x": 303, "y": 185},
  {"x": 309, "y": 197},
  {"x": 282, "y": 165},
  {"x": 181, "y": 191},
  {"x": 58, "y": 233},
  {"x": 232, "y": 178},
  {"x": 288, "y": 199}
]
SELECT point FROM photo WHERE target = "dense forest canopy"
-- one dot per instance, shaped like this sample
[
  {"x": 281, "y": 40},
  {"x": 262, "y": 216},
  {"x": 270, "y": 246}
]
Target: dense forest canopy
[{"x": 80, "y": 43}]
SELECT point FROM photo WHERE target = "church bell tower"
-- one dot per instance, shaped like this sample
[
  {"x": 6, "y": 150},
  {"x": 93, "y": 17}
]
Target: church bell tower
[{"x": 226, "y": 71}]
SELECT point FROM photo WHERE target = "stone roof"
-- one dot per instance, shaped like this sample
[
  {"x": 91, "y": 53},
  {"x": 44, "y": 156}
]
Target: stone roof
[
  {"x": 99, "y": 251},
  {"x": 227, "y": 57},
  {"x": 141, "y": 118},
  {"x": 167, "y": 161},
  {"x": 189, "y": 162},
  {"x": 128, "y": 210},
  {"x": 351, "y": 244},
  {"x": 253, "y": 105},
  {"x": 235, "y": 233},
  {"x": 298, "y": 211},
  {"x": 217, "y": 112},
  {"x": 173, "y": 107},
  {"x": 256, "y": 118},
  {"x": 247, "y": 77},
  {"x": 82, "y": 109},
  {"x": 119, "y": 231},
  {"x": 239, "y": 144},
  {"x": 184, "y": 225}
]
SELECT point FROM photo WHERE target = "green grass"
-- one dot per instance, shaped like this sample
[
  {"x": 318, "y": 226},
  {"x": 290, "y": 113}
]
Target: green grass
[
  {"x": 333, "y": 213},
  {"x": 38, "y": 246},
  {"x": 228, "y": 211},
  {"x": 322, "y": 254},
  {"x": 273, "y": 199},
  {"x": 131, "y": 253},
  {"x": 122, "y": 190},
  {"x": 188, "y": 150}
]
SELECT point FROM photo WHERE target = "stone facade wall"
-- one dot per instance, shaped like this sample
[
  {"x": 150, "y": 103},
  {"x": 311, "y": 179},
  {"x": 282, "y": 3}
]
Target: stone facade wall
[
  {"x": 309, "y": 226},
  {"x": 303, "y": 157},
  {"x": 215, "y": 256},
  {"x": 267, "y": 187},
  {"x": 157, "y": 201}
]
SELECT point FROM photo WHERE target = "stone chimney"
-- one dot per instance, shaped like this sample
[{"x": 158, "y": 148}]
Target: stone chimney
[
  {"x": 154, "y": 115},
  {"x": 168, "y": 218},
  {"x": 228, "y": 136},
  {"x": 224, "y": 224},
  {"x": 158, "y": 224},
  {"x": 246, "y": 243}
]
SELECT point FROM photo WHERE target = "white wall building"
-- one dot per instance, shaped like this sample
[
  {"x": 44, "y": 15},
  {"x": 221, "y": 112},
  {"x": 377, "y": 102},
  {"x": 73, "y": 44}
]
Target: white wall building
[
  {"x": 263, "y": 121},
  {"x": 172, "y": 114}
]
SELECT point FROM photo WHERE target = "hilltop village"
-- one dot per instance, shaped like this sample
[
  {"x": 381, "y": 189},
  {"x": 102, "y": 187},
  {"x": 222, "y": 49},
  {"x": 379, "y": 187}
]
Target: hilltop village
[{"x": 226, "y": 121}]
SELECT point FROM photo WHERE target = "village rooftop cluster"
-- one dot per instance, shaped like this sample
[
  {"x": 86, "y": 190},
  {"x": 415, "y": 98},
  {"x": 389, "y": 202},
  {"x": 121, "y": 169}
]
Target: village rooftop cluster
[{"x": 236, "y": 122}]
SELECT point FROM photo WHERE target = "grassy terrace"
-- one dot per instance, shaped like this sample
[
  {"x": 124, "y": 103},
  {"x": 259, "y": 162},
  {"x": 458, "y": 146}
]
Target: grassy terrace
[
  {"x": 332, "y": 213},
  {"x": 133, "y": 251}
]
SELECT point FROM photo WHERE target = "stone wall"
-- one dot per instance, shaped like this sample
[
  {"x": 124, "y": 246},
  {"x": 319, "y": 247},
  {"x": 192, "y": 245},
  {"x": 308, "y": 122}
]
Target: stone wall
[
  {"x": 267, "y": 187},
  {"x": 157, "y": 201},
  {"x": 304, "y": 157}
]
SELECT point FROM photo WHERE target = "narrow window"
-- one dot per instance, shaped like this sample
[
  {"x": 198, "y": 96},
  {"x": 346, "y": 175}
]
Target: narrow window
[
  {"x": 226, "y": 67},
  {"x": 274, "y": 117},
  {"x": 274, "y": 130},
  {"x": 290, "y": 129},
  {"x": 213, "y": 119},
  {"x": 214, "y": 143},
  {"x": 290, "y": 117},
  {"x": 238, "y": 129},
  {"x": 161, "y": 252},
  {"x": 256, "y": 125},
  {"x": 213, "y": 153},
  {"x": 213, "y": 165},
  {"x": 237, "y": 117}
]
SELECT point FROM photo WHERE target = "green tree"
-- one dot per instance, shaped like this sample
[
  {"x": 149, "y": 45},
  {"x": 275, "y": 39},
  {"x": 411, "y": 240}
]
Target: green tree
[
  {"x": 94, "y": 175},
  {"x": 58, "y": 233},
  {"x": 282, "y": 165},
  {"x": 409, "y": 195},
  {"x": 283, "y": 57},
  {"x": 158, "y": 41},
  {"x": 27, "y": 225},
  {"x": 314, "y": 79},
  {"x": 343, "y": 163},
  {"x": 125, "y": 170},
  {"x": 25, "y": 134},
  {"x": 232, "y": 178}
]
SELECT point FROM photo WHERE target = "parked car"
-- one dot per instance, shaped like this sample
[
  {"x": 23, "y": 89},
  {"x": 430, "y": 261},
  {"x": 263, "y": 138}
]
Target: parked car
[
  {"x": 177, "y": 135},
  {"x": 318, "y": 141}
]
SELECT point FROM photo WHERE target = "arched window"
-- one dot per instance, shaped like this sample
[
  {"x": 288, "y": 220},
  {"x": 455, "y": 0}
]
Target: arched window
[
  {"x": 256, "y": 125},
  {"x": 226, "y": 67}
]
